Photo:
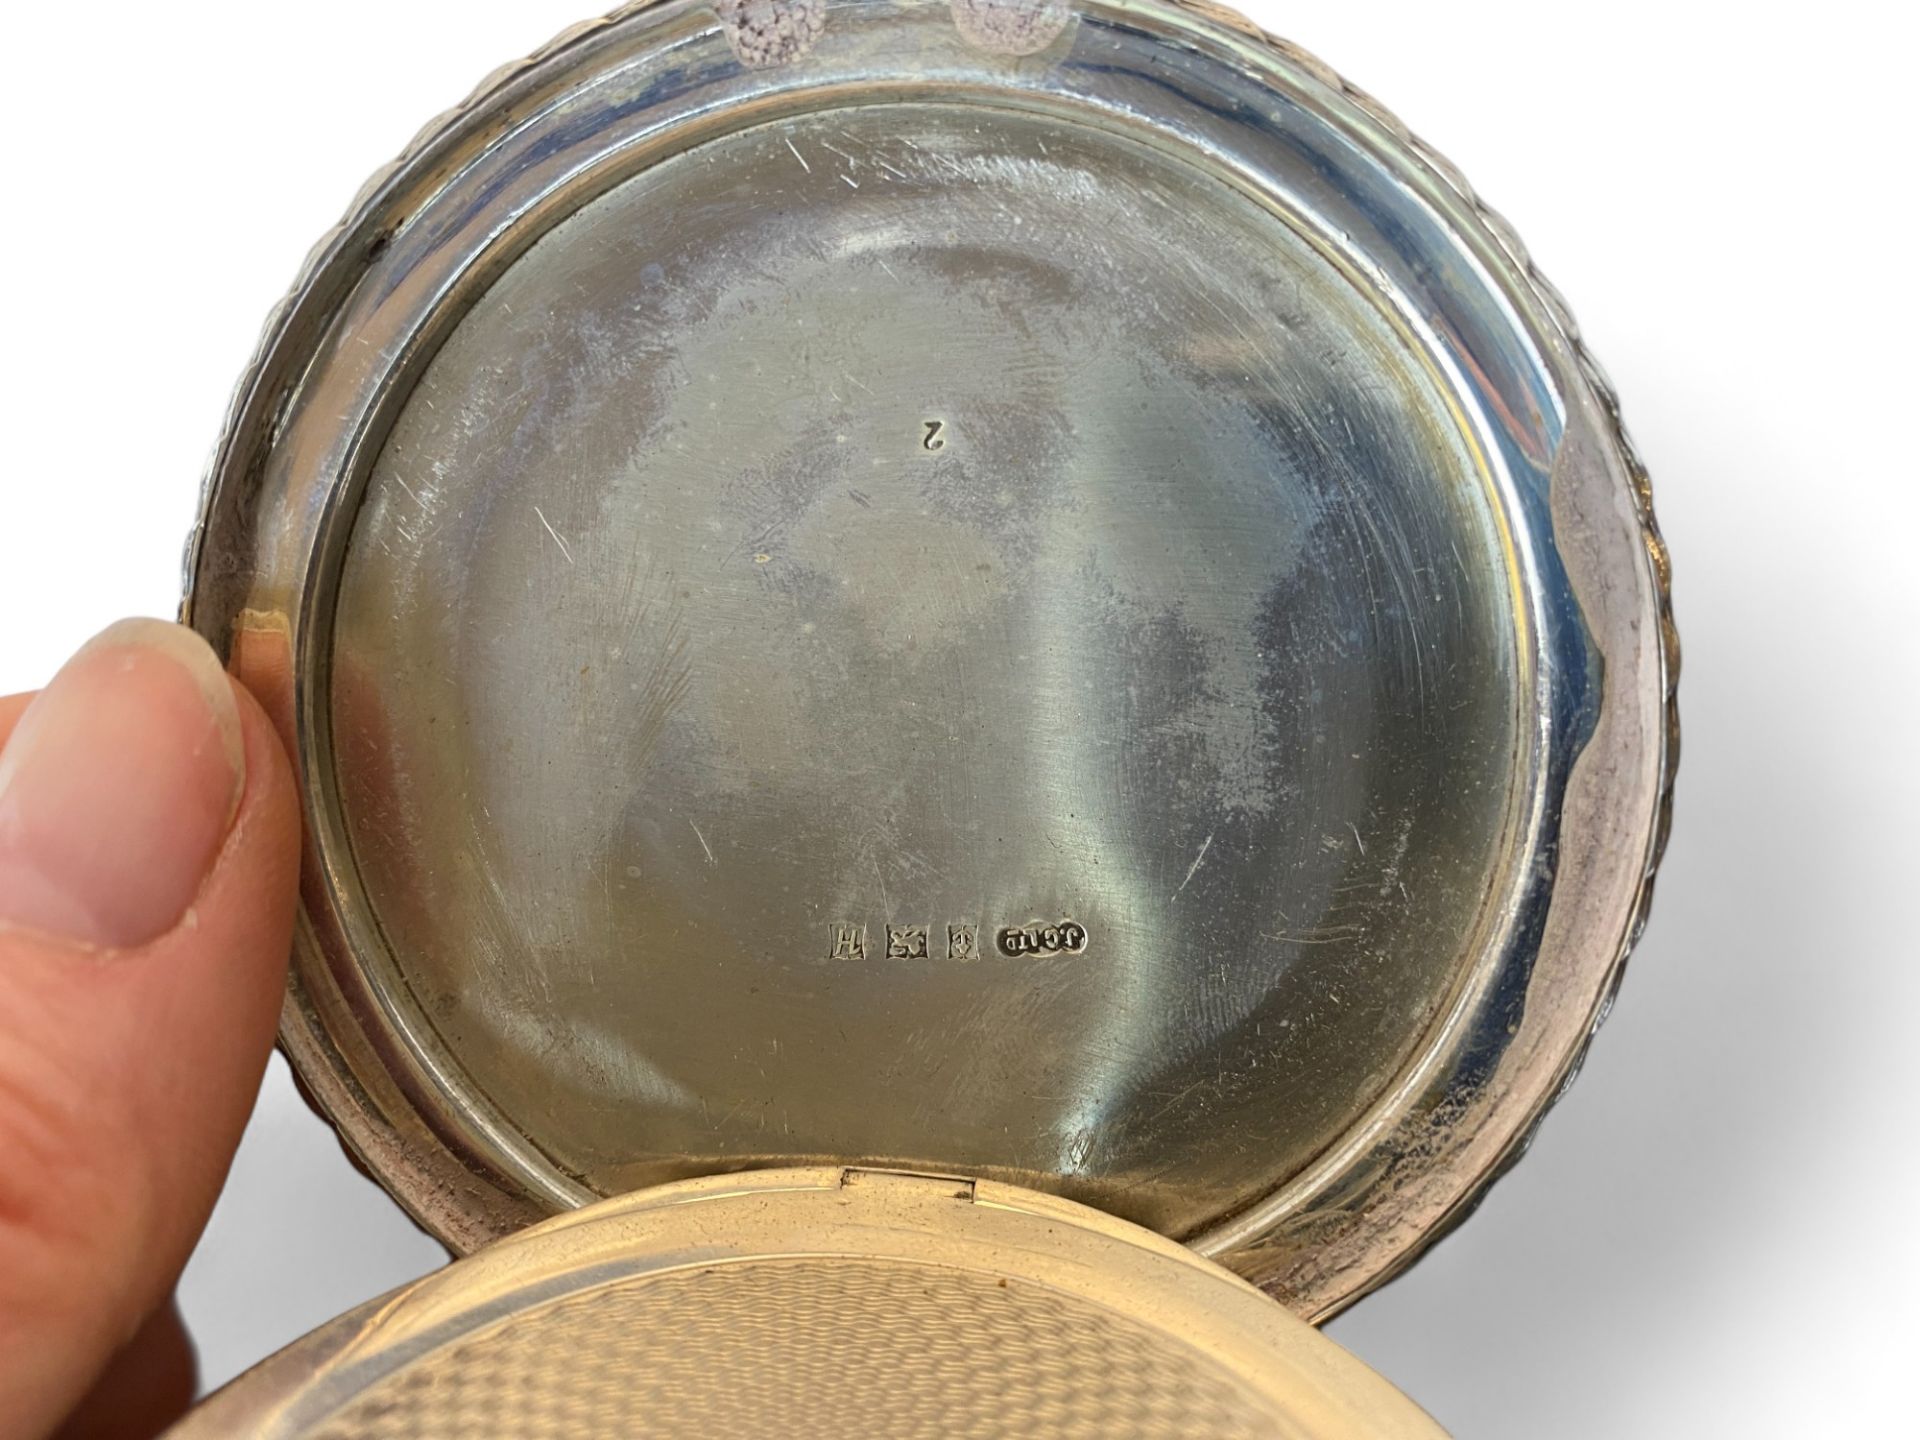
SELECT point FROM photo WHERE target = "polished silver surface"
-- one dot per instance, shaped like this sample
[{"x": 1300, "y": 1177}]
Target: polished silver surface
[
  {"x": 1049, "y": 601},
  {"x": 769, "y": 586}
]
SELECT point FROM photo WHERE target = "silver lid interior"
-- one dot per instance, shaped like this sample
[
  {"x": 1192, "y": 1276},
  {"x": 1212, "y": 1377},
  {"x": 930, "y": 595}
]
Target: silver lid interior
[{"x": 1074, "y": 616}]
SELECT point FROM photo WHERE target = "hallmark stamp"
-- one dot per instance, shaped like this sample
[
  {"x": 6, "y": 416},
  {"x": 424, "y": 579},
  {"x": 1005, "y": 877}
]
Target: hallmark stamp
[
  {"x": 1068, "y": 937},
  {"x": 906, "y": 942},
  {"x": 847, "y": 940}
]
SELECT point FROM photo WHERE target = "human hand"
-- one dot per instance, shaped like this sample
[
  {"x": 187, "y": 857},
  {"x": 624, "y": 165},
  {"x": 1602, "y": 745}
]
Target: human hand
[{"x": 149, "y": 854}]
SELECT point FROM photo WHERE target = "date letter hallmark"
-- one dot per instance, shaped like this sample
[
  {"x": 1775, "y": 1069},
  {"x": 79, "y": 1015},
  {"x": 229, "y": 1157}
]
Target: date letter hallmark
[{"x": 1068, "y": 937}]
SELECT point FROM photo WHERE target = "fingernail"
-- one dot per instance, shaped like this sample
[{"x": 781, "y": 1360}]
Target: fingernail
[{"x": 117, "y": 788}]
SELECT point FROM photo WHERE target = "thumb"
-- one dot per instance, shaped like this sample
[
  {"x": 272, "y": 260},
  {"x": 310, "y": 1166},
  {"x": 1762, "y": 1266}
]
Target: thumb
[{"x": 149, "y": 852}]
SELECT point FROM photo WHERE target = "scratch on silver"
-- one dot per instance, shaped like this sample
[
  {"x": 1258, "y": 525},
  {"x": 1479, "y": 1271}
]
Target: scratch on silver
[{"x": 546, "y": 523}]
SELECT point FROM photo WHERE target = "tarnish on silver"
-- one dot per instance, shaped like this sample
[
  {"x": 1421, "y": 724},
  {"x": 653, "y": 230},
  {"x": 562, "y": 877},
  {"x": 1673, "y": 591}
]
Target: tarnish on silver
[{"x": 1280, "y": 616}]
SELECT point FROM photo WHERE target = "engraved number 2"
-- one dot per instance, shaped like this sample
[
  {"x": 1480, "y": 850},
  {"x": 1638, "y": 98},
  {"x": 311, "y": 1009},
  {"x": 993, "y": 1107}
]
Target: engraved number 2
[{"x": 934, "y": 440}]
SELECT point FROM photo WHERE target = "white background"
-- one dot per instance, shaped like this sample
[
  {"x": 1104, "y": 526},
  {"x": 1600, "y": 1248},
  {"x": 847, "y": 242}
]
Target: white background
[{"x": 1715, "y": 1235}]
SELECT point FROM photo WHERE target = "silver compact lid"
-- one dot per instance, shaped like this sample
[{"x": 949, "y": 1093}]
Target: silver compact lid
[
  {"x": 823, "y": 1301},
  {"x": 1010, "y": 589}
]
